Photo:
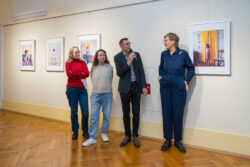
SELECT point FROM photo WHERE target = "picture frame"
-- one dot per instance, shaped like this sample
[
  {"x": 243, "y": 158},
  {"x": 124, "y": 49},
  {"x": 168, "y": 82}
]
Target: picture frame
[
  {"x": 209, "y": 47},
  {"x": 27, "y": 55},
  {"x": 54, "y": 54},
  {"x": 88, "y": 45}
]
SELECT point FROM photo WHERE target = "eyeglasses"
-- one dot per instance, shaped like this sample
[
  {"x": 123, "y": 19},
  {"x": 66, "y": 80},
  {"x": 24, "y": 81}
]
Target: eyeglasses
[{"x": 128, "y": 43}]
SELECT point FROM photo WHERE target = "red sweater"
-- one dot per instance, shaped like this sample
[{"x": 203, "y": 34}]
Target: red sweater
[{"x": 76, "y": 70}]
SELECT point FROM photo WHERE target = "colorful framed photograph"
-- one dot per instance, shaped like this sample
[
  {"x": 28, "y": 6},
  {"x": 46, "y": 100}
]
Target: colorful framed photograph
[
  {"x": 88, "y": 45},
  {"x": 55, "y": 54},
  {"x": 27, "y": 55},
  {"x": 209, "y": 47}
]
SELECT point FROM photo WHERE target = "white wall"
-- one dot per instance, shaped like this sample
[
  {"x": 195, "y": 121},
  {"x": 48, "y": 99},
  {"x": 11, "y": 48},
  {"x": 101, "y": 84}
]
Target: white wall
[
  {"x": 1, "y": 64},
  {"x": 30, "y": 9},
  {"x": 62, "y": 7},
  {"x": 214, "y": 102}
]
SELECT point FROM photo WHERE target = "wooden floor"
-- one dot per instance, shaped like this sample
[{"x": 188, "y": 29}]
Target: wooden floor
[{"x": 27, "y": 141}]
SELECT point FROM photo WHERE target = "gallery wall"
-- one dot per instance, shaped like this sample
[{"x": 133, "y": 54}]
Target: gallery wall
[
  {"x": 215, "y": 103},
  {"x": 1, "y": 64}
]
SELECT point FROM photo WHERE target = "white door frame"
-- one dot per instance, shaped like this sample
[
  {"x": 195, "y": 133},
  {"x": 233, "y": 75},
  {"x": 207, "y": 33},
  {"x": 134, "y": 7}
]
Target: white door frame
[{"x": 1, "y": 64}]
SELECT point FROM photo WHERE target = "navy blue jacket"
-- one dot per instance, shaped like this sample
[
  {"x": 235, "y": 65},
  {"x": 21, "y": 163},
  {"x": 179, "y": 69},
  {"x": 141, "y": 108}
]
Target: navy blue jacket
[{"x": 176, "y": 64}]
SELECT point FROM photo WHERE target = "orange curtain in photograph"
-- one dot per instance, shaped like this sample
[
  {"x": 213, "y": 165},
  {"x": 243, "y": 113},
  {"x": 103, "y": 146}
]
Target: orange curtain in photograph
[{"x": 209, "y": 37}]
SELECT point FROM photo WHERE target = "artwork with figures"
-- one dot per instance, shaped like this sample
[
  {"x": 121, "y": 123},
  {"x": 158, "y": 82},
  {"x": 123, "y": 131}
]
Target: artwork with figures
[
  {"x": 210, "y": 47},
  {"x": 27, "y": 54},
  {"x": 54, "y": 54},
  {"x": 88, "y": 45}
]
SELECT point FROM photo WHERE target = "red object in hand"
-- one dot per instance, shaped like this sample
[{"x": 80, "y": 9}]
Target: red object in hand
[{"x": 148, "y": 89}]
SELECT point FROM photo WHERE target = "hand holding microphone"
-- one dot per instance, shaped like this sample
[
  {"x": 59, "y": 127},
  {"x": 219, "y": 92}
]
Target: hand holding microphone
[{"x": 131, "y": 56}]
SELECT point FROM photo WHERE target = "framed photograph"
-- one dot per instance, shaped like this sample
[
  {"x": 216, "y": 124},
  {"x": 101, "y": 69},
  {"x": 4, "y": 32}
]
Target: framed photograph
[
  {"x": 27, "y": 55},
  {"x": 55, "y": 54},
  {"x": 88, "y": 45},
  {"x": 209, "y": 47}
]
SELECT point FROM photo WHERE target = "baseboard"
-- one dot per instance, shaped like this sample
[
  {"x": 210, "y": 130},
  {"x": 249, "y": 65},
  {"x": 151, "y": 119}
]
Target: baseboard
[
  {"x": 37, "y": 110},
  {"x": 201, "y": 138}
]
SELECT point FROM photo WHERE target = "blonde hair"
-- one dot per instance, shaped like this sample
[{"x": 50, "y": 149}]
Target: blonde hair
[
  {"x": 70, "y": 58},
  {"x": 173, "y": 37}
]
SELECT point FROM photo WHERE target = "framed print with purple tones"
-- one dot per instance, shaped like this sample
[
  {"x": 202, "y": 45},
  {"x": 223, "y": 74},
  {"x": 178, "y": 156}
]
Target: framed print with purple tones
[{"x": 27, "y": 55}]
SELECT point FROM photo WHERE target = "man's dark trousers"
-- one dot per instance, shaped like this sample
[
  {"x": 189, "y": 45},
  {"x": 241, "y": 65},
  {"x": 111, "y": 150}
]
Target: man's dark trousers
[{"x": 134, "y": 96}]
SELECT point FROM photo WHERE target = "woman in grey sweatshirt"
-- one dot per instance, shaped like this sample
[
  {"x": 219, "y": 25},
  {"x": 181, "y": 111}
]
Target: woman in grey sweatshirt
[{"x": 102, "y": 76}]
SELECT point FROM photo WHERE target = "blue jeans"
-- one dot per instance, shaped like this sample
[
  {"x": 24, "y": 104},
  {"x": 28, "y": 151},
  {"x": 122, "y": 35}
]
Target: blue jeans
[
  {"x": 75, "y": 95},
  {"x": 98, "y": 100}
]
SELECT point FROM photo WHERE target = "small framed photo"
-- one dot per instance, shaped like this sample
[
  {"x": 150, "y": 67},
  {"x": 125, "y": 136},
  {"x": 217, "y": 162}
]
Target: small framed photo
[
  {"x": 27, "y": 55},
  {"x": 54, "y": 54},
  {"x": 209, "y": 47},
  {"x": 88, "y": 45}
]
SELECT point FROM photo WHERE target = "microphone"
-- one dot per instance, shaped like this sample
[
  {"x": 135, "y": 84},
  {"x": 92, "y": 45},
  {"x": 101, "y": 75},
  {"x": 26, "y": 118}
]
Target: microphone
[{"x": 131, "y": 51}]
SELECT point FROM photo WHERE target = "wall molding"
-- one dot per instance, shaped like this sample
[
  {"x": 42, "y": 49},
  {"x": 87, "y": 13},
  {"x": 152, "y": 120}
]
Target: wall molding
[
  {"x": 77, "y": 13},
  {"x": 30, "y": 15},
  {"x": 28, "y": 9},
  {"x": 229, "y": 143}
]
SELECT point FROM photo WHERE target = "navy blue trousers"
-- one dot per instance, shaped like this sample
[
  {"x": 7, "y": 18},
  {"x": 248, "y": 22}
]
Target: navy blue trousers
[
  {"x": 173, "y": 99},
  {"x": 75, "y": 95}
]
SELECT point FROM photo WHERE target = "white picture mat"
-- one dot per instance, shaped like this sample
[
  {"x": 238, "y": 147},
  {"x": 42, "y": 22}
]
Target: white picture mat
[
  {"x": 89, "y": 37},
  {"x": 225, "y": 25},
  {"x": 27, "y": 42},
  {"x": 52, "y": 41}
]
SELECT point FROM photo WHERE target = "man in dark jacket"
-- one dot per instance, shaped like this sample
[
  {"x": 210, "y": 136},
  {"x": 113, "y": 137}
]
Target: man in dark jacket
[{"x": 132, "y": 82}]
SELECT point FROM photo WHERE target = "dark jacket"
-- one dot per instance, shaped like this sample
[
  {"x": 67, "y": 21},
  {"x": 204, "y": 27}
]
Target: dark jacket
[
  {"x": 123, "y": 71},
  {"x": 176, "y": 64}
]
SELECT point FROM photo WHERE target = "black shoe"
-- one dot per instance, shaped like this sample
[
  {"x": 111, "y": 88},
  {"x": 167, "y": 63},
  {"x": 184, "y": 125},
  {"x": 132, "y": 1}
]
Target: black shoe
[
  {"x": 86, "y": 135},
  {"x": 166, "y": 145},
  {"x": 74, "y": 136},
  {"x": 136, "y": 142},
  {"x": 180, "y": 146},
  {"x": 125, "y": 141}
]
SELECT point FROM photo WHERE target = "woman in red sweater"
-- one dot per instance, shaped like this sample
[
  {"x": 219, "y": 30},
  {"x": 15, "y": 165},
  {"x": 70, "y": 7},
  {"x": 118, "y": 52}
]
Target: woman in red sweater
[{"x": 77, "y": 71}]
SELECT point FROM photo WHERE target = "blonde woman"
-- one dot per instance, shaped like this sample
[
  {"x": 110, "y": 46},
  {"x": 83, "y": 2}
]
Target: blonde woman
[
  {"x": 101, "y": 75},
  {"x": 77, "y": 70}
]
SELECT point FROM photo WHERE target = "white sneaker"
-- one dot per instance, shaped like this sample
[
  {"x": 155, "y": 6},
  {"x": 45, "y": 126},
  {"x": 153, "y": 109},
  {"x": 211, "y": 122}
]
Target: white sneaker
[
  {"x": 105, "y": 137},
  {"x": 89, "y": 142}
]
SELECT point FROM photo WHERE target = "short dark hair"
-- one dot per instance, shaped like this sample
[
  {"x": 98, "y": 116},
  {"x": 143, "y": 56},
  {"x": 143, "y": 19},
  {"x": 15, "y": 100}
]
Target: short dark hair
[{"x": 123, "y": 39}]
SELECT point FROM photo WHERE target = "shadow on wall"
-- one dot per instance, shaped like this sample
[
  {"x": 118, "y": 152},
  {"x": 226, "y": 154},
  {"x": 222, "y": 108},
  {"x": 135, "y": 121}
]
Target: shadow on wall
[
  {"x": 190, "y": 91},
  {"x": 191, "y": 88}
]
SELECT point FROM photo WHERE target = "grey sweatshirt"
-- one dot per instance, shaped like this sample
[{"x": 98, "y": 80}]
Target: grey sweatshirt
[{"x": 102, "y": 76}]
